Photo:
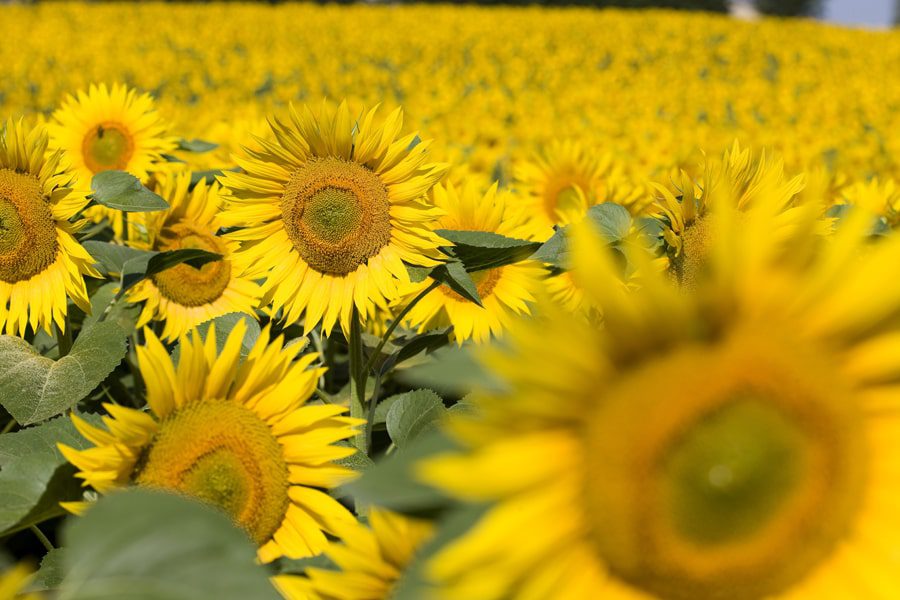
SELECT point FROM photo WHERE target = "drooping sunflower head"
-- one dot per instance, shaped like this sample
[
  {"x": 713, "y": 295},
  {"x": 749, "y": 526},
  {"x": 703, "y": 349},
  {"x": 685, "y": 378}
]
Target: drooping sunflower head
[
  {"x": 506, "y": 292},
  {"x": 184, "y": 296},
  {"x": 110, "y": 128},
  {"x": 736, "y": 440},
  {"x": 235, "y": 433},
  {"x": 370, "y": 560},
  {"x": 330, "y": 210},
  {"x": 41, "y": 262}
]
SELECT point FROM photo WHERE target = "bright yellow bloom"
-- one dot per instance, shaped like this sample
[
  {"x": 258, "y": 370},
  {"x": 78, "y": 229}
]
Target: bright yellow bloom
[
  {"x": 13, "y": 581},
  {"x": 370, "y": 559},
  {"x": 235, "y": 433},
  {"x": 505, "y": 292},
  {"x": 330, "y": 211},
  {"x": 736, "y": 440},
  {"x": 183, "y": 296},
  {"x": 110, "y": 129},
  {"x": 41, "y": 262}
]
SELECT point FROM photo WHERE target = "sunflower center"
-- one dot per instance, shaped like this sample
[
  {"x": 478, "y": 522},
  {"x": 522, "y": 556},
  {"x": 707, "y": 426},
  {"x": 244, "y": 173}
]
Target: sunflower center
[
  {"x": 28, "y": 242},
  {"x": 224, "y": 454},
  {"x": 107, "y": 146},
  {"x": 184, "y": 284},
  {"x": 565, "y": 199},
  {"x": 695, "y": 243},
  {"x": 485, "y": 282},
  {"x": 336, "y": 214},
  {"x": 727, "y": 471}
]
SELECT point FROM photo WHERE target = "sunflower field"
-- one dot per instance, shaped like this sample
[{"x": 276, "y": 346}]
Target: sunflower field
[{"x": 370, "y": 302}]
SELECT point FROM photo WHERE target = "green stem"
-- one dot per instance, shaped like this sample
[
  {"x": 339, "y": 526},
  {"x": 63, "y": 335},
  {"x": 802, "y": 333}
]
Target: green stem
[
  {"x": 358, "y": 378},
  {"x": 8, "y": 427},
  {"x": 64, "y": 337},
  {"x": 43, "y": 538}
]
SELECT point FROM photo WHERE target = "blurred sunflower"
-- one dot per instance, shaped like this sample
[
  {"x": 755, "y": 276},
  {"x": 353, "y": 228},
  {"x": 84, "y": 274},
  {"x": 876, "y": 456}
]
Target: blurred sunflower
[
  {"x": 330, "y": 212},
  {"x": 505, "y": 292},
  {"x": 110, "y": 129},
  {"x": 236, "y": 434},
  {"x": 371, "y": 560},
  {"x": 13, "y": 581},
  {"x": 41, "y": 262},
  {"x": 183, "y": 296},
  {"x": 562, "y": 182},
  {"x": 739, "y": 441}
]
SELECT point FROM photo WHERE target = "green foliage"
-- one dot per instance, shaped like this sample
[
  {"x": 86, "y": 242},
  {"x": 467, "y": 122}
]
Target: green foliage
[
  {"x": 480, "y": 250},
  {"x": 413, "y": 413},
  {"x": 454, "y": 275},
  {"x": 147, "y": 545},
  {"x": 123, "y": 191},
  {"x": 789, "y": 8},
  {"x": 34, "y": 387},
  {"x": 452, "y": 371},
  {"x": 197, "y": 146}
]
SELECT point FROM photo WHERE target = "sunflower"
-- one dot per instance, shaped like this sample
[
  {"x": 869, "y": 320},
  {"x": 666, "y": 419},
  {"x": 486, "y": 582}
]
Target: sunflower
[
  {"x": 237, "y": 435},
  {"x": 562, "y": 182},
  {"x": 183, "y": 296},
  {"x": 736, "y": 441},
  {"x": 330, "y": 212},
  {"x": 881, "y": 198},
  {"x": 505, "y": 292},
  {"x": 370, "y": 559},
  {"x": 110, "y": 129},
  {"x": 14, "y": 581},
  {"x": 41, "y": 262}
]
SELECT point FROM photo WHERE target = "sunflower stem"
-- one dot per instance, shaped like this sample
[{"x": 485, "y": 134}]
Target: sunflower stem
[
  {"x": 357, "y": 379},
  {"x": 64, "y": 337},
  {"x": 40, "y": 536},
  {"x": 9, "y": 426}
]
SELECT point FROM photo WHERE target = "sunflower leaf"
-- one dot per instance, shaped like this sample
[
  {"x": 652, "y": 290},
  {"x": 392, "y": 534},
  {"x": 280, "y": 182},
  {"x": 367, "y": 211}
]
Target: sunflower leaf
[
  {"x": 149, "y": 545},
  {"x": 34, "y": 476},
  {"x": 34, "y": 388},
  {"x": 194, "y": 257},
  {"x": 111, "y": 258},
  {"x": 452, "y": 371},
  {"x": 51, "y": 572},
  {"x": 612, "y": 220},
  {"x": 412, "y": 414},
  {"x": 124, "y": 191},
  {"x": 454, "y": 275},
  {"x": 195, "y": 145},
  {"x": 480, "y": 250}
]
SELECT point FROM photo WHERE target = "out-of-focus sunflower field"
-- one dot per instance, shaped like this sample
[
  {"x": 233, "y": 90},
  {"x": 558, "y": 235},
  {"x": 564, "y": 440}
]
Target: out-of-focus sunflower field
[{"x": 444, "y": 302}]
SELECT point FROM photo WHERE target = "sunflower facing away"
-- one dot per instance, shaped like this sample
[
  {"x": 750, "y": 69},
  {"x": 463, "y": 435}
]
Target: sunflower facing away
[
  {"x": 110, "y": 129},
  {"x": 41, "y": 262},
  {"x": 183, "y": 296},
  {"x": 565, "y": 180},
  {"x": 236, "y": 434},
  {"x": 737, "y": 442},
  {"x": 330, "y": 212},
  {"x": 371, "y": 560},
  {"x": 505, "y": 292}
]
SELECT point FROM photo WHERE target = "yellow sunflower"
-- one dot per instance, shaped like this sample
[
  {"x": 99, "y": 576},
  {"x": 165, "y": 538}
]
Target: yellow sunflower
[
  {"x": 881, "y": 198},
  {"x": 110, "y": 129},
  {"x": 236, "y": 434},
  {"x": 737, "y": 441},
  {"x": 370, "y": 559},
  {"x": 183, "y": 296},
  {"x": 14, "y": 581},
  {"x": 561, "y": 183},
  {"x": 41, "y": 262},
  {"x": 330, "y": 212},
  {"x": 505, "y": 292}
]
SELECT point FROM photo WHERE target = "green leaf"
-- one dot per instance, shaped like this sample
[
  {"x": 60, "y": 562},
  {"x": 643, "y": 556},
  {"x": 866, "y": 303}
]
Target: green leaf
[
  {"x": 453, "y": 274},
  {"x": 149, "y": 545},
  {"x": 121, "y": 312},
  {"x": 195, "y": 257},
  {"x": 34, "y": 476},
  {"x": 196, "y": 145},
  {"x": 298, "y": 566},
  {"x": 555, "y": 250},
  {"x": 391, "y": 483},
  {"x": 359, "y": 462},
  {"x": 612, "y": 220},
  {"x": 418, "y": 274},
  {"x": 224, "y": 325},
  {"x": 451, "y": 371},
  {"x": 479, "y": 250},
  {"x": 51, "y": 572},
  {"x": 111, "y": 258},
  {"x": 34, "y": 388},
  {"x": 207, "y": 177},
  {"x": 123, "y": 191},
  {"x": 412, "y": 414}
]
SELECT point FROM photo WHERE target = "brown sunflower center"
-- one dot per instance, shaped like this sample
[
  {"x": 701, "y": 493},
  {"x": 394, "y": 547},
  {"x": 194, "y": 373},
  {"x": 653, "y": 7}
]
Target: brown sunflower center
[
  {"x": 224, "y": 454},
  {"x": 183, "y": 284},
  {"x": 733, "y": 481},
  {"x": 696, "y": 240},
  {"x": 107, "y": 146},
  {"x": 485, "y": 282},
  {"x": 28, "y": 242},
  {"x": 337, "y": 214}
]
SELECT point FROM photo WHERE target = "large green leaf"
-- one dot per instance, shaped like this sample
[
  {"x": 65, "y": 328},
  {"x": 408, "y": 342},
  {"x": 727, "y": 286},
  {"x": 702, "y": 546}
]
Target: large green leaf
[
  {"x": 34, "y": 388},
  {"x": 51, "y": 572},
  {"x": 453, "y": 274},
  {"x": 479, "y": 250},
  {"x": 412, "y": 414},
  {"x": 124, "y": 191},
  {"x": 149, "y": 545},
  {"x": 195, "y": 145},
  {"x": 34, "y": 476},
  {"x": 111, "y": 258},
  {"x": 150, "y": 263},
  {"x": 451, "y": 371},
  {"x": 612, "y": 222}
]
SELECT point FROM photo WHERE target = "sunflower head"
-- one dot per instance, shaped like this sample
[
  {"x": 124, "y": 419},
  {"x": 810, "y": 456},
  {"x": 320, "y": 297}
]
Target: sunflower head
[
  {"x": 237, "y": 434},
  {"x": 41, "y": 263},
  {"x": 735, "y": 440},
  {"x": 331, "y": 208},
  {"x": 110, "y": 128}
]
